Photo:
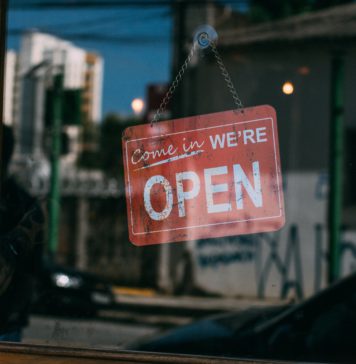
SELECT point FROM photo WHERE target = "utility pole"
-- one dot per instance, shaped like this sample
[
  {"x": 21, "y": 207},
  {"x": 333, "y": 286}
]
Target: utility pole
[
  {"x": 54, "y": 199},
  {"x": 336, "y": 165}
]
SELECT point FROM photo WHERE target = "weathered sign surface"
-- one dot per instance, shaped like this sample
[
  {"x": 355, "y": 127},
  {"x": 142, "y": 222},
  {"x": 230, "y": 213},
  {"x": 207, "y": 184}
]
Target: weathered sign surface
[{"x": 204, "y": 176}]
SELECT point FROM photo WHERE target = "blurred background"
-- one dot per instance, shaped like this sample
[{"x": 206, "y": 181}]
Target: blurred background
[{"x": 79, "y": 72}]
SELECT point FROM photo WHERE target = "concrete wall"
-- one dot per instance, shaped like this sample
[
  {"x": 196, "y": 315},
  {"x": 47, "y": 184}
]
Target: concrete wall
[{"x": 290, "y": 262}]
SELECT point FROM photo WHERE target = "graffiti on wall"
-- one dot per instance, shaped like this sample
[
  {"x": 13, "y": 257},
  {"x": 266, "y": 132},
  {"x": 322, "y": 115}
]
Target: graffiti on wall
[{"x": 265, "y": 253}]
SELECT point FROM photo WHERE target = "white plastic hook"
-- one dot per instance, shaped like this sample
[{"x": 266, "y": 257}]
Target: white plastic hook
[{"x": 205, "y": 35}]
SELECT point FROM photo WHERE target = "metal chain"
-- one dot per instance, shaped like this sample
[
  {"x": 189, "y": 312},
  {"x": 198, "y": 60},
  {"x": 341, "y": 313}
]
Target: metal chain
[
  {"x": 226, "y": 76},
  {"x": 181, "y": 72},
  {"x": 174, "y": 85}
]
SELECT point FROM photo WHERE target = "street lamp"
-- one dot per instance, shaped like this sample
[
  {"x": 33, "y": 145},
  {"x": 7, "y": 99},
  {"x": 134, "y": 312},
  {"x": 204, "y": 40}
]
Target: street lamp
[
  {"x": 288, "y": 88},
  {"x": 137, "y": 106}
]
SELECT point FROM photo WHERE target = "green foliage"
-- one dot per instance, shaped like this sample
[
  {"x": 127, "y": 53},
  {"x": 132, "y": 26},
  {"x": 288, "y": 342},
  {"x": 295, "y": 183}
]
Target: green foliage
[
  {"x": 89, "y": 155},
  {"x": 101, "y": 144},
  {"x": 110, "y": 143}
]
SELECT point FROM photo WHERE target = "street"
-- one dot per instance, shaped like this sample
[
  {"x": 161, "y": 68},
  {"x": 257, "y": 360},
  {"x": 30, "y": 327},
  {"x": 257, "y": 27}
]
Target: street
[
  {"x": 93, "y": 333},
  {"x": 133, "y": 318}
]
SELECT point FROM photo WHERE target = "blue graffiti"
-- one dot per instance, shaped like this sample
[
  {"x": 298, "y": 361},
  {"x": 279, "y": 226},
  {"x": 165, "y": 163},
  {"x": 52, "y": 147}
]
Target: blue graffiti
[{"x": 225, "y": 258}]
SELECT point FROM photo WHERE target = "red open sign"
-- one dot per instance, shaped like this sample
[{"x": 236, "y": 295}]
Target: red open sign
[{"x": 203, "y": 176}]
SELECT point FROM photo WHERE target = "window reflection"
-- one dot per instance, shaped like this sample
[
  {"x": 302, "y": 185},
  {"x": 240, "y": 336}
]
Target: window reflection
[{"x": 77, "y": 75}]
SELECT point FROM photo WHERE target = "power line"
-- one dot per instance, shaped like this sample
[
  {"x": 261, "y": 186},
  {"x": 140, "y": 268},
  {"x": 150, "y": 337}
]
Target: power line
[
  {"x": 102, "y": 21},
  {"x": 75, "y": 4},
  {"x": 97, "y": 37},
  {"x": 87, "y": 4},
  {"x": 88, "y": 22}
]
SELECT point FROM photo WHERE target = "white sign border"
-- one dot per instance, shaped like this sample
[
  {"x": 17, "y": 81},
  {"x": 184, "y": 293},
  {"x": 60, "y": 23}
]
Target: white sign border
[{"x": 206, "y": 225}]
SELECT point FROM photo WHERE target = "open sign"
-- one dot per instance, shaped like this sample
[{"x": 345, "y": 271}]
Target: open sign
[{"x": 204, "y": 176}]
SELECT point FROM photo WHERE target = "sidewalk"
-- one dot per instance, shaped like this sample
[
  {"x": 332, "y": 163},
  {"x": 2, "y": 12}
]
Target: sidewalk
[{"x": 151, "y": 301}]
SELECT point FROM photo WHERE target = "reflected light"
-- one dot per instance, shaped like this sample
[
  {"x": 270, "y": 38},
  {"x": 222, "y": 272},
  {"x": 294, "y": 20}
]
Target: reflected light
[
  {"x": 304, "y": 70},
  {"x": 137, "y": 106},
  {"x": 288, "y": 88}
]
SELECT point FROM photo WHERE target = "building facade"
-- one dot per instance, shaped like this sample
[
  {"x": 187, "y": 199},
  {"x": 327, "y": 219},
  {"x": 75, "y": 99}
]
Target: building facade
[
  {"x": 261, "y": 59},
  {"x": 93, "y": 79},
  {"x": 40, "y": 57},
  {"x": 10, "y": 94}
]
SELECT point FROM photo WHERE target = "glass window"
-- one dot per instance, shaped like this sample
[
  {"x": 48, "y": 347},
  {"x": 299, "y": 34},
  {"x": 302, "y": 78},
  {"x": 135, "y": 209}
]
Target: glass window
[{"x": 177, "y": 177}]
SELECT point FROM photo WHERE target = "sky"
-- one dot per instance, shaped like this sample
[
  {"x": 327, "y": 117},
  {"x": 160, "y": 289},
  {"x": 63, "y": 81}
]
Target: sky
[{"x": 128, "y": 66}]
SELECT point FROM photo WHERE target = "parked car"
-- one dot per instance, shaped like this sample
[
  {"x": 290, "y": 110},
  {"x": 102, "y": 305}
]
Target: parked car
[
  {"x": 322, "y": 328},
  {"x": 67, "y": 291}
]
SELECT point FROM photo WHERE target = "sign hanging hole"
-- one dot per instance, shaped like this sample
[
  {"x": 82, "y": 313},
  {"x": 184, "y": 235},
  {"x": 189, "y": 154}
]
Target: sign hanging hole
[{"x": 205, "y": 35}]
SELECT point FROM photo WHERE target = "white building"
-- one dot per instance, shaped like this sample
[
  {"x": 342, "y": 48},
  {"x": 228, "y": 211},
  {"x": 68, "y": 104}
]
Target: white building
[
  {"x": 38, "y": 47},
  {"x": 40, "y": 56},
  {"x": 10, "y": 87},
  {"x": 91, "y": 105}
]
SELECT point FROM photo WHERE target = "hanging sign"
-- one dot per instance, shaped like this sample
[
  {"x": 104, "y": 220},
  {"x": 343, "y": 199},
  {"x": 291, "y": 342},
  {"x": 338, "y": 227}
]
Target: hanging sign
[{"x": 203, "y": 177}]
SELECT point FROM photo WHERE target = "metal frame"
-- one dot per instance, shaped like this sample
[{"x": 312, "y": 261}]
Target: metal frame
[
  {"x": 3, "y": 22},
  {"x": 34, "y": 354}
]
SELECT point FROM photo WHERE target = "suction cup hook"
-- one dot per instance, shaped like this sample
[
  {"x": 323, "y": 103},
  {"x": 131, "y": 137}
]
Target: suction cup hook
[{"x": 205, "y": 35}]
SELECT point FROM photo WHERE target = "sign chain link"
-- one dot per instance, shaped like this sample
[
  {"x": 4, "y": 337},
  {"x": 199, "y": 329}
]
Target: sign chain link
[
  {"x": 226, "y": 76},
  {"x": 181, "y": 72},
  {"x": 174, "y": 85}
]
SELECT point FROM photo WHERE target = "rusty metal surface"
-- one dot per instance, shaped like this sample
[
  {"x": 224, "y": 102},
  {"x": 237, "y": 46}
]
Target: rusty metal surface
[
  {"x": 33, "y": 354},
  {"x": 205, "y": 176}
]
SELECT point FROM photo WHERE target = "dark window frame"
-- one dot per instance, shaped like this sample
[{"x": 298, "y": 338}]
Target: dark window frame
[{"x": 3, "y": 23}]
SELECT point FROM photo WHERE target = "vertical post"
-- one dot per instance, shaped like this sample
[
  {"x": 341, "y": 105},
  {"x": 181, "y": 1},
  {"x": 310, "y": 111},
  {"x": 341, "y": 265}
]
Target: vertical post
[
  {"x": 83, "y": 229},
  {"x": 164, "y": 278},
  {"x": 54, "y": 200},
  {"x": 3, "y": 15},
  {"x": 336, "y": 166}
]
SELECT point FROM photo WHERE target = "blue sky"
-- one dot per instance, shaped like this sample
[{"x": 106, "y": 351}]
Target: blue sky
[{"x": 128, "y": 67}]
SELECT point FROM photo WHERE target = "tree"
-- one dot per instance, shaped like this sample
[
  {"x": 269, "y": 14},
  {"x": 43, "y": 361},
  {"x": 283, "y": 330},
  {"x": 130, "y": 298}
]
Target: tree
[
  {"x": 89, "y": 154},
  {"x": 110, "y": 143}
]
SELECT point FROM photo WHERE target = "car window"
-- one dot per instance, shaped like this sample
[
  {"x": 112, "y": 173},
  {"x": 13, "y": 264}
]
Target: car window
[{"x": 177, "y": 177}]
